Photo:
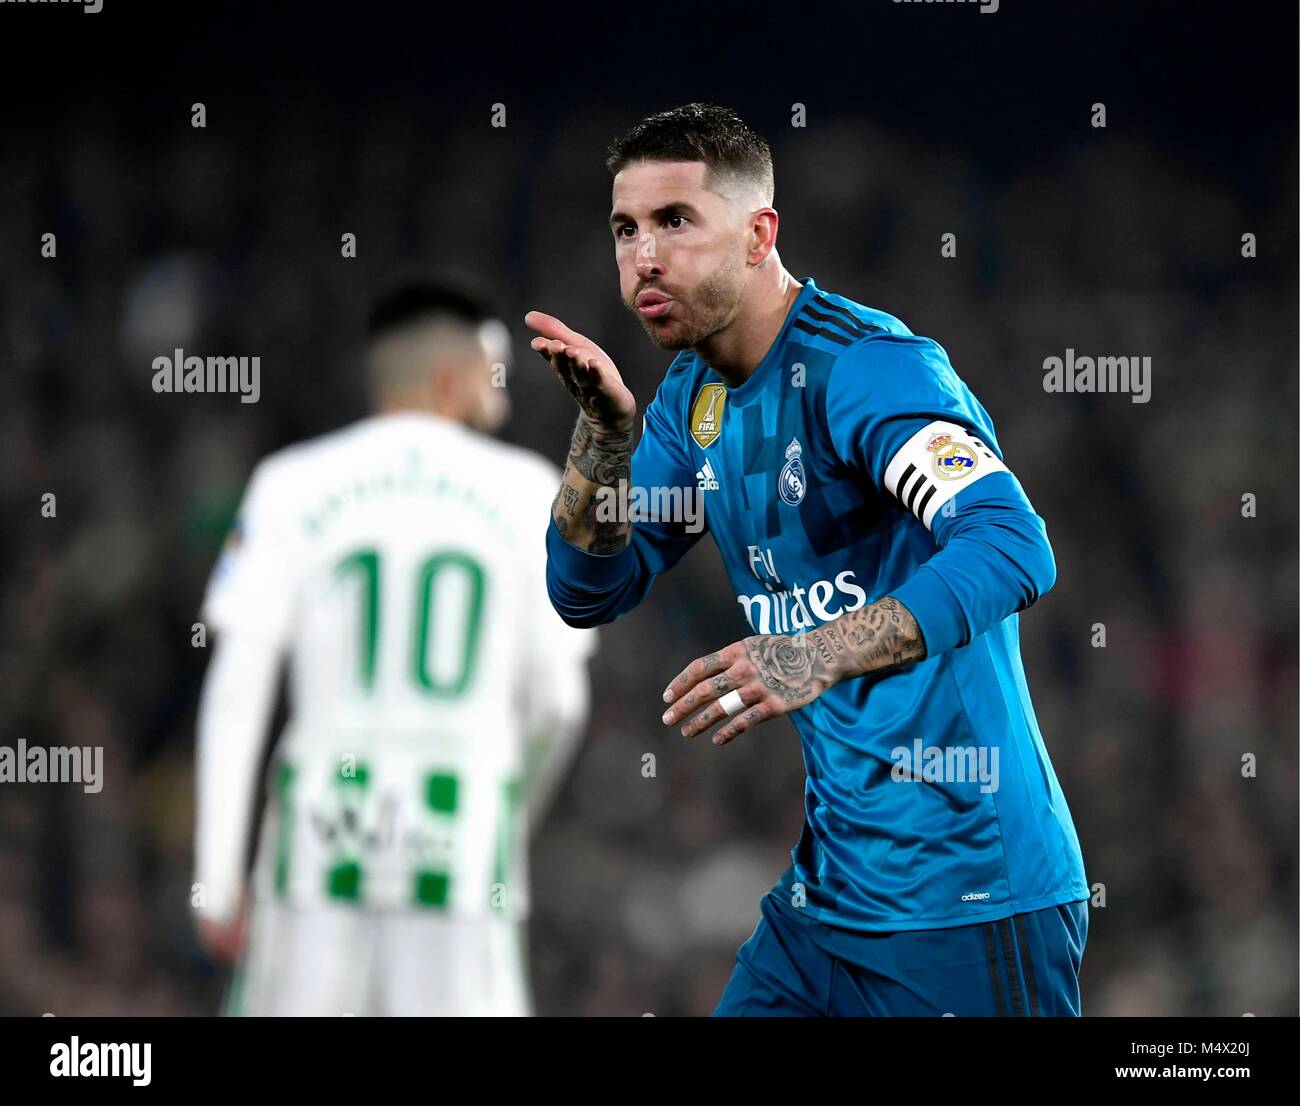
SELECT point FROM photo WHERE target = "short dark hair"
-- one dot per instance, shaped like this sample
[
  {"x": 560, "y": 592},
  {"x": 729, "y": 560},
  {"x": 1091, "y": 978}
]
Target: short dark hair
[
  {"x": 714, "y": 135},
  {"x": 417, "y": 301}
]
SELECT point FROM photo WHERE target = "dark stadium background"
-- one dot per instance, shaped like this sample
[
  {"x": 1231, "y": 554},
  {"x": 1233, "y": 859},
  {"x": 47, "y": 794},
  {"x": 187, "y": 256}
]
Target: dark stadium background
[{"x": 922, "y": 119}]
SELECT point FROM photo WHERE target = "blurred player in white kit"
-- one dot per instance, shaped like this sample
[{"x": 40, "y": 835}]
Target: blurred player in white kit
[{"x": 435, "y": 696}]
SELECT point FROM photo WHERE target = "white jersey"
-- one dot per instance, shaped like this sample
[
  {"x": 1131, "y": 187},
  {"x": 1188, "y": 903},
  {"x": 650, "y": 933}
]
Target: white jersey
[{"x": 400, "y": 563}]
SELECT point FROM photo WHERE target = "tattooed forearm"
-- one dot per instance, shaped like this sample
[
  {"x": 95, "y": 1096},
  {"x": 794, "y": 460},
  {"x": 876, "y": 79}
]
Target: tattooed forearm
[
  {"x": 602, "y": 456},
  {"x": 608, "y": 537},
  {"x": 588, "y": 510},
  {"x": 878, "y": 636},
  {"x": 799, "y": 668}
]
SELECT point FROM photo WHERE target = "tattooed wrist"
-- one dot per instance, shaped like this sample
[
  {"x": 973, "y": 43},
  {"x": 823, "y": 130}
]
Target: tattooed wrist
[
  {"x": 601, "y": 454},
  {"x": 600, "y": 459},
  {"x": 881, "y": 635}
]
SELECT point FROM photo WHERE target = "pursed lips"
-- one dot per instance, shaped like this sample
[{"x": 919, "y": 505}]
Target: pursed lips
[{"x": 652, "y": 305}]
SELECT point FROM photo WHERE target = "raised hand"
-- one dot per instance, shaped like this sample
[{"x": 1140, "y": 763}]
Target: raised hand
[
  {"x": 600, "y": 452},
  {"x": 586, "y": 370}
]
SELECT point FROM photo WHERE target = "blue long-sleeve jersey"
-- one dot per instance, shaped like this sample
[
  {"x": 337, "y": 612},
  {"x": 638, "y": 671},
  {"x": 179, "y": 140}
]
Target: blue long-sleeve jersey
[{"x": 854, "y": 464}]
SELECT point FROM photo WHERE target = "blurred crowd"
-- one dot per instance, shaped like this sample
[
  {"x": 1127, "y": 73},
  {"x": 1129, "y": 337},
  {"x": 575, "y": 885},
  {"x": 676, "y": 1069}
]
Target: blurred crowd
[{"x": 229, "y": 241}]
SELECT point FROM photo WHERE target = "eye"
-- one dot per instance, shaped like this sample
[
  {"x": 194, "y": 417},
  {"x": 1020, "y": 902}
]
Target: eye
[
  {"x": 675, "y": 221},
  {"x": 624, "y": 230}
]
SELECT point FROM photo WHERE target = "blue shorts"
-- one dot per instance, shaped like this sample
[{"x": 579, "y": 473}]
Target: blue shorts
[{"x": 795, "y": 966}]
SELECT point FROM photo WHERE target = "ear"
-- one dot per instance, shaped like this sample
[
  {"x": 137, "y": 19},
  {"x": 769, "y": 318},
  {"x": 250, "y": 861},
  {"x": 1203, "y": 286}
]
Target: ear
[{"x": 762, "y": 234}]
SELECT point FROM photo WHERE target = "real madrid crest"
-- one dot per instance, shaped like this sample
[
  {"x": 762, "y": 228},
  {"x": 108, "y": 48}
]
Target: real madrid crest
[
  {"x": 791, "y": 484},
  {"x": 952, "y": 460},
  {"x": 706, "y": 414}
]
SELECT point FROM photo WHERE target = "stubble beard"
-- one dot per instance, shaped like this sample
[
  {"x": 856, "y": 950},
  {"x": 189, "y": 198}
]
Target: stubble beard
[{"x": 714, "y": 303}]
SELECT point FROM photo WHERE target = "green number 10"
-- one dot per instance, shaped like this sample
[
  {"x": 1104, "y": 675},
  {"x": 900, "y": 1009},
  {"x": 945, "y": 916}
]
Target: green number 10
[{"x": 366, "y": 563}]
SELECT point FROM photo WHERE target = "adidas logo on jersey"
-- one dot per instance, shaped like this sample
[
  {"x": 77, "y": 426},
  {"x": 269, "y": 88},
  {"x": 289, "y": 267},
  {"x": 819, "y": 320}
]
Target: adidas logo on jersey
[{"x": 707, "y": 480}]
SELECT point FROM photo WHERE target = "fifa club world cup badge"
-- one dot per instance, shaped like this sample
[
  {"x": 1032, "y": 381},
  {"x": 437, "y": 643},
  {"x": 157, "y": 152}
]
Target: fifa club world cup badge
[
  {"x": 952, "y": 460},
  {"x": 791, "y": 483},
  {"x": 706, "y": 414}
]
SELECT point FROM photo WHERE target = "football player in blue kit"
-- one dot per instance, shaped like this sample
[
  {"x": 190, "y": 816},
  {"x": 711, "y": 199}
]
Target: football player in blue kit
[{"x": 879, "y": 548}]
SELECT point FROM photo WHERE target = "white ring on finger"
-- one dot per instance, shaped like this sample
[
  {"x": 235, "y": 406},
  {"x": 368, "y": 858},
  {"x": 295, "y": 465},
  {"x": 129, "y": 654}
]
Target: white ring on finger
[{"x": 732, "y": 703}]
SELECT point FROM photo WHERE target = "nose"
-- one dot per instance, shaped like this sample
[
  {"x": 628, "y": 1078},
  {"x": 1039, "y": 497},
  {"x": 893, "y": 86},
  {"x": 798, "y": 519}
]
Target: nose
[{"x": 648, "y": 263}]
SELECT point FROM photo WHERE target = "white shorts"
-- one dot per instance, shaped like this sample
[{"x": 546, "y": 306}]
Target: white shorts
[{"x": 335, "y": 960}]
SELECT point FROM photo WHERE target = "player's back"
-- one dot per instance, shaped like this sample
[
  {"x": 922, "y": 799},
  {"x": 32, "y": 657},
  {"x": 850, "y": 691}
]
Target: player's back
[
  {"x": 412, "y": 577},
  {"x": 397, "y": 562}
]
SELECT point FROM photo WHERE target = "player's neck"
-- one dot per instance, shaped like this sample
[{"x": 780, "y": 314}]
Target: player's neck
[{"x": 737, "y": 350}]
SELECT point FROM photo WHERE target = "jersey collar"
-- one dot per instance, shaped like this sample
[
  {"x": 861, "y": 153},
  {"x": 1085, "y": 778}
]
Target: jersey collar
[{"x": 754, "y": 384}]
